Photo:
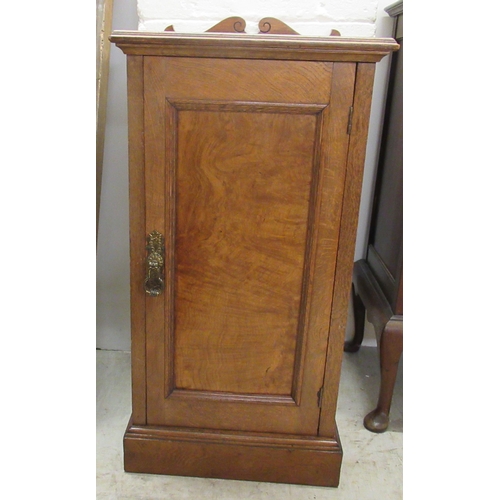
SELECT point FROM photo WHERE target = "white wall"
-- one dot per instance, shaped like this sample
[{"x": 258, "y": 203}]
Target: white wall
[
  {"x": 313, "y": 17},
  {"x": 112, "y": 308},
  {"x": 356, "y": 18}
]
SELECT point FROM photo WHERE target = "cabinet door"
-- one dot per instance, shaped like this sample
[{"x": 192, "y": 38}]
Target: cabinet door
[{"x": 244, "y": 174}]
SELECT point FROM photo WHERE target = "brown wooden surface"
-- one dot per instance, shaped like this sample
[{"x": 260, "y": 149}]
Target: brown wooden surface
[
  {"x": 229, "y": 455},
  {"x": 251, "y": 169},
  {"x": 255, "y": 186},
  {"x": 242, "y": 46},
  {"x": 242, "y": 211},
  {"x": 267, "y": 25},
  {"x": 248, "y": 81},
  {"x": 233, "y": 24},
  {"x": 389, "y": 333},
  {"x": 274, "y": 26},
  {"x": 137, "y": 200},
  {"x": 359, "y": 312},
  {"x": 371, "y": 294},
  {"x": 390, "y": 347},
  {"x": 398, "y": 302},
  {"x": 345, "y": 256}
]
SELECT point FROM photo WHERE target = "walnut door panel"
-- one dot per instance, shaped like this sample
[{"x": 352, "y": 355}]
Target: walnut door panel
[
  {"x": 243, "y": 185},
  {"x": 244, "y": 177}
]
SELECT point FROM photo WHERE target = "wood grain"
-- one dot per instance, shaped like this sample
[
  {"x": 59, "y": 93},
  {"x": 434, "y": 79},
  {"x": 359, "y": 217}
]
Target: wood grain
[
  {"x": 243, "y": 199},
  {"x": 241, "y": 157},
  {"x": 332, "y": 159},
  {"x": 241, "y": 46},
  {"x": 157, "y": 157},
  {"x": 228, "y": 455},
  {"x": 246, "y": 106},
  {"x": 300, "y": 155},
  {"x": 262, "y": 81},
  {"x": 234, "y": 24},
  {"x": 272, "y": 25},
  {"x": 345, "y": 254},
  {"x": 137, "y": 218}
]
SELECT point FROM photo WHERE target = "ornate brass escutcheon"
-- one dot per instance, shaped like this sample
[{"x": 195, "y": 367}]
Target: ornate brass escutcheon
[{"x": 154, "y": 282}]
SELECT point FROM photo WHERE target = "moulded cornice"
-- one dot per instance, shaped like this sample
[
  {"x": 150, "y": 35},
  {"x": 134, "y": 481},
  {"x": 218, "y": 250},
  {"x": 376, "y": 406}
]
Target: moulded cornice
[
  {"x": 261, "y": 46},
  {"x": 395, "y": 9}
]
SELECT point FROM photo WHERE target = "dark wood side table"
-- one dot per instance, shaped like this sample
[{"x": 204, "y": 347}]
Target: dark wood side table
[{"x": 378, "y": 279}]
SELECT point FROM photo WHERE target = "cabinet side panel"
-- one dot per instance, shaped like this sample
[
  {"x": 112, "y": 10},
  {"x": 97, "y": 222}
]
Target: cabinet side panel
[
  {"x": 345, "y": 256},
  {"x": 332, "y": 157},
  {"x": 137, "y": 219}
]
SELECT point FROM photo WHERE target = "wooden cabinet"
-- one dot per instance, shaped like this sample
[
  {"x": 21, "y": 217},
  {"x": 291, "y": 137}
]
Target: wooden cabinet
[{"x": 246, "y": 155}]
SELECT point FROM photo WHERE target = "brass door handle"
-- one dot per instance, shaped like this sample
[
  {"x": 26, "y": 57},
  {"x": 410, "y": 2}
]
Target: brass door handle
[{"x": 154, "y": 282}]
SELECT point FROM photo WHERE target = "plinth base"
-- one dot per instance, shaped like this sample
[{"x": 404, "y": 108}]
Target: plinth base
[{"x": 248, "y": 456}]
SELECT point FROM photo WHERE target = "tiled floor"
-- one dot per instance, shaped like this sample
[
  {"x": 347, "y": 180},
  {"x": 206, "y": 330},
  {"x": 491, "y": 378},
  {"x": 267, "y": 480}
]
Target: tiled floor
[{"x": 372, "y": 467}]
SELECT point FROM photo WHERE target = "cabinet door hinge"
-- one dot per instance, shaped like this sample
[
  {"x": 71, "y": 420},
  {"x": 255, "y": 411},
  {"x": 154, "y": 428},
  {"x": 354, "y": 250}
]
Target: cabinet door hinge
[
  {"x": 349, "y": 121},
  {"x": 320, "y": 397}
]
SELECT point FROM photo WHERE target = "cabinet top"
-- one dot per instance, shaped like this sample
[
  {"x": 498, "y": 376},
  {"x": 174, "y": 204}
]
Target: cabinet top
[{"x": 261, "y": 46}]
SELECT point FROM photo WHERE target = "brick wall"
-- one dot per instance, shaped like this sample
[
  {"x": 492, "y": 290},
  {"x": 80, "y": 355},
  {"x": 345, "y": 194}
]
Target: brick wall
[{"x": 355, "y": 18}]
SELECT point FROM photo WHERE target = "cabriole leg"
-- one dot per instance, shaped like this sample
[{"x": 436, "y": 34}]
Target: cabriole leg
[{"x": 391, "y": 347}]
